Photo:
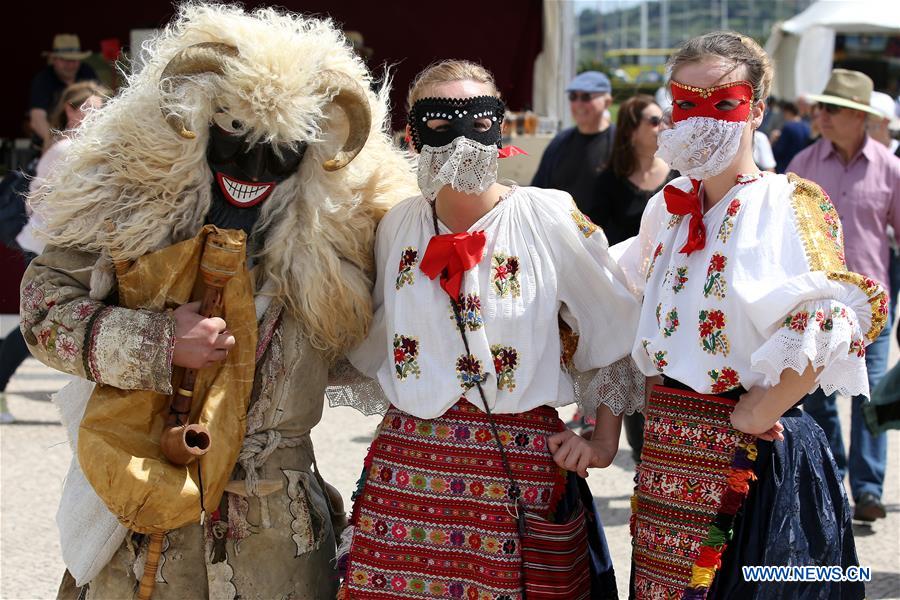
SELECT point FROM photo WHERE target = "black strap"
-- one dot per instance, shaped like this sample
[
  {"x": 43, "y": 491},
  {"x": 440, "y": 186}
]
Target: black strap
[{"x": 514, "y": 490}]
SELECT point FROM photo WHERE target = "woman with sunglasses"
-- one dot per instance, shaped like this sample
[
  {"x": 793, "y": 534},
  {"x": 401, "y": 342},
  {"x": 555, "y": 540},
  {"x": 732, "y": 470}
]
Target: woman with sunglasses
[
  {"x": 748, "y": 305},
  {"x": 634, "y": 175}
]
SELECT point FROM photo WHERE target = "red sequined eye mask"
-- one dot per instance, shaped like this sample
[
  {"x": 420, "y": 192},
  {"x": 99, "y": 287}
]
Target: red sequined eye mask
[{"x": 704, "y": 101}]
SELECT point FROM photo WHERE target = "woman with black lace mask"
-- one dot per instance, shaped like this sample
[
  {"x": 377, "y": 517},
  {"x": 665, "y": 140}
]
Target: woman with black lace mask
[{"x": 474, "y": 280}]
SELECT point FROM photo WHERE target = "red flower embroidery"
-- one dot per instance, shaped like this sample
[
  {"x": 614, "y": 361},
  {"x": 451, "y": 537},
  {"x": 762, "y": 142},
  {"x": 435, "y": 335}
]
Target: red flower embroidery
[
  {"x": 406, "y": 351},
  {"x": 724, "y": 380}
]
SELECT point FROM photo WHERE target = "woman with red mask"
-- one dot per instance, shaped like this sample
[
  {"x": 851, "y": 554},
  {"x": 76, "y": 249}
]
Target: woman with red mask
[{"x": 747, "y": 307}]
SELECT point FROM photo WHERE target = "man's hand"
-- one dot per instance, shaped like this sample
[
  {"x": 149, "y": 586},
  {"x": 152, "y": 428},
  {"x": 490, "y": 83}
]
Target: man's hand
[
  {"x": 574, "y": 453},
  {"x": 199, "y": 342}
]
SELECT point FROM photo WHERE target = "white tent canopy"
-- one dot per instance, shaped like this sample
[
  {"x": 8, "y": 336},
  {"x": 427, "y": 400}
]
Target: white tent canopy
[{"x": 803, "y": 47}]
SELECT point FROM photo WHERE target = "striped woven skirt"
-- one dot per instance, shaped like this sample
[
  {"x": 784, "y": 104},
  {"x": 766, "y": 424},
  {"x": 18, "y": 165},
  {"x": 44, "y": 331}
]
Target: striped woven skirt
[
  {"x": 432, "y": 519},
  {"x": 694, "y": 476}
]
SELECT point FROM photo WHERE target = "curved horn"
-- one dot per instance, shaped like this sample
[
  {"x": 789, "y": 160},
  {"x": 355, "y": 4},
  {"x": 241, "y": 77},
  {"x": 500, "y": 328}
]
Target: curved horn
[
  {"x": 206, "y": 57},
  {"x": 351, "y": 97}
]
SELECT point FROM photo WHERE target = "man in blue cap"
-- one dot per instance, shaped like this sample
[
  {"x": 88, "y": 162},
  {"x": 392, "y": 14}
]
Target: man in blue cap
[{"x": 576, "y": 156}]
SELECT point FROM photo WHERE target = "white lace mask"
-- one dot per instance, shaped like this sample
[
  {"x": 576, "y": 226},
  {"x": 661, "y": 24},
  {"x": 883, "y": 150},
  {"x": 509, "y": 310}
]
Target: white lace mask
[
  {"x": 700, "y": 147},
  {"x": 463, "y": 164}
]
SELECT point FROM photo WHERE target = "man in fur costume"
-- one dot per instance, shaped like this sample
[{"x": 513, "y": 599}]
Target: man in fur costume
[{"x": 261, "y": 122}]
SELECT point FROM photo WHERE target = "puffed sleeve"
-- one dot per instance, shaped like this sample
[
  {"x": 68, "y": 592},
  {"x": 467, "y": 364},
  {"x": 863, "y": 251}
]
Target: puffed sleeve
[
  {"x": 634, "y": 255},
  {"x": 68, "y": 330},
  {"x": 792, "y": 282},
  {"x": 598, "y": 306}
]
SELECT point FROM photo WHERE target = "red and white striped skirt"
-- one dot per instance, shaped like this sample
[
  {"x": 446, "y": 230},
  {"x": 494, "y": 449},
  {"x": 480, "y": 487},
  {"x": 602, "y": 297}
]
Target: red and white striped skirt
[{"x": 433, "y": 517}]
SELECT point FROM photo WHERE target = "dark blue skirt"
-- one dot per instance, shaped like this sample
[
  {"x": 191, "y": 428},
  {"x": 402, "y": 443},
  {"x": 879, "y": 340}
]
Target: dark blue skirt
[{"x": 796, "y": 514}]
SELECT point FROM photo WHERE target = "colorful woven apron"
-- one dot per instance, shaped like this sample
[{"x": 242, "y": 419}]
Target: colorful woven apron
[
  {"x": 695, "y": 473},
  {"x": 432, "y": 520}
]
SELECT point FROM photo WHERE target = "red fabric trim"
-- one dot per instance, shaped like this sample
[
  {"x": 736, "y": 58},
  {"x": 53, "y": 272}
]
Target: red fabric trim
[{"x": 450, "y": 255}]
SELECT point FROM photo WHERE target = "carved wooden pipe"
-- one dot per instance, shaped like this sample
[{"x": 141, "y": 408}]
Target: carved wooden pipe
[{"x": 182, "y": 442}]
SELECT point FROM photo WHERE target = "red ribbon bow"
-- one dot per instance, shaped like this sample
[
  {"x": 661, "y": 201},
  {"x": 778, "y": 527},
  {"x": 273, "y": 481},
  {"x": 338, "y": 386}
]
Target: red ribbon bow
[
  {"x": 679, "y": 202},
  {"x": 450, "y": 255}
]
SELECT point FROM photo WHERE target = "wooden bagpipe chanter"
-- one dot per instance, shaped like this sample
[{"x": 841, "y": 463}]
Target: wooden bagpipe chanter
[{"x": 160, "y": 462}]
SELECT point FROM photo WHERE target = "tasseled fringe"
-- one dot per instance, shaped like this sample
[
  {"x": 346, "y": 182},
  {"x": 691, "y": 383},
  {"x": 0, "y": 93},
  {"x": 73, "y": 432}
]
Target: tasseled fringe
[
  {"x": 343, "y": 550},
  {"x": 709, "y": 559}
]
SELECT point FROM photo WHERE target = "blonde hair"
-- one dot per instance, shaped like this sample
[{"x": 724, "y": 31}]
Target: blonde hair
[
  {"x": 734, "y": 47},
  {"x": 75, "y": 96},
  {"x": 446, "y": 71}
]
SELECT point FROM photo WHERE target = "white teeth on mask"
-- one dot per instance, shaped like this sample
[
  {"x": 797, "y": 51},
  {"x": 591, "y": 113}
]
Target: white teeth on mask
[{"x": 244, "y": 193}]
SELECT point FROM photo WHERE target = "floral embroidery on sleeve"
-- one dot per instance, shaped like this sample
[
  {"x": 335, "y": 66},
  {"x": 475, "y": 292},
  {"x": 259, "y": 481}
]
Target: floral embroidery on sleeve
[
  {"x": 724, "y": 380},
  {"x": 408, "y": 259},
  {"x": 715, "y": 276},
  {"x": 858, "y": 347},
  {"x": 656, "y": 255},
  {"x": 681, "y": 278},
  {"x": 658, "y": 313},
  {"x": 671, "y": 323},
  {"x": 658, "y": 358},
  {"x": 797, "y": 321},
  {"x": 469, "y": 312},
  {"x": 469, "y": 371},
  {"x": 727, "y": 225},
  {"x": 57, "y": 338},
  {"x": 585, "y": 226},
  {"x": 506, "y": 360},
  {"x": 505, "y": 275},
  {"x": 406, "y": 351},
  {"x": 712, "y": 332},
  {"x": 825, "y": 319}
]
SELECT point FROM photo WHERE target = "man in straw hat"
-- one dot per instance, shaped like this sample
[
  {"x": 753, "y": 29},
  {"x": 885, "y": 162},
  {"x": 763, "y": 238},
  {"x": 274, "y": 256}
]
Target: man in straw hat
[
  {"x": 63, "y": 69},
  {"x": 863, "y": 180}
]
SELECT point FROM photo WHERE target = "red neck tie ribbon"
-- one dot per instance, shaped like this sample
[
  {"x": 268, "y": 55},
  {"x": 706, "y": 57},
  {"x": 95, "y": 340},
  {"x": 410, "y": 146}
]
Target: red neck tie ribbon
[
  {"x": 450, "y": 255},
  {"x": 679, "y": 202}
]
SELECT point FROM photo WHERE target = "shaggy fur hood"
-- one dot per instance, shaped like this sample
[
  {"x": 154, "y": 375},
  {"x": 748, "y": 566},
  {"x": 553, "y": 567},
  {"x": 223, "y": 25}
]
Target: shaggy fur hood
[{"x": 128, "y": 168}]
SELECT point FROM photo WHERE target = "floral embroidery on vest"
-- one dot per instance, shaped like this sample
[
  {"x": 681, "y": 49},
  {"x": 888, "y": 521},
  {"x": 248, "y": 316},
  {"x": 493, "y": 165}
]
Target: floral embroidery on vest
[
  {"x": 715, "y": 276},
  {"x": 727, "y": 225},
  {"x": 56, "y": 338},
  {"x": 408, "y": 259},
  {"x": 656, "y": 254},
  {"x": 671, "y": 323},
  {"x": 506, "y": 359},
  {"x": 681, "y": 278},
  {"x": 712, "y": 332},
  {"x": 469, "y": 371},
  {"x": 406, "y": 351},
  {"x": 505, "y": 275},
  {"x": 469, "y": 312},
  {"x": 797, "y": 321},
  {"x": 724, "y": 380},
  {"x": 585, "y": 226}
]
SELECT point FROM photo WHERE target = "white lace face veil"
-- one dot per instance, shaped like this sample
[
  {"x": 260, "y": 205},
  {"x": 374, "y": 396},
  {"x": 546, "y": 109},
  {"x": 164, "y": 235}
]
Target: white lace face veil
[
  {"x": 700, "y": 147},
  {"x": 463, "y": 164}
]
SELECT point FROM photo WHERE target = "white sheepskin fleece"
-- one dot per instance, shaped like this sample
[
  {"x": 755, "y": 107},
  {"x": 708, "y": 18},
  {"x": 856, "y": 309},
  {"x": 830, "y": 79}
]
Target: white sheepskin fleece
[{"x": 128, "y": 168}]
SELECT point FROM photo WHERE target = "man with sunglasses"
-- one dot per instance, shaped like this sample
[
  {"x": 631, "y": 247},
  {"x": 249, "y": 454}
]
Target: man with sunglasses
[
  {"x": 863, "y": 180},
  {"x": 576, "y": 156}
]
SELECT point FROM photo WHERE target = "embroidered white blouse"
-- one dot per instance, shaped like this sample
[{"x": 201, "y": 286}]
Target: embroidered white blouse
[
  {"x": 769, "y": 291},
  {"x": 542, "y": 260}
]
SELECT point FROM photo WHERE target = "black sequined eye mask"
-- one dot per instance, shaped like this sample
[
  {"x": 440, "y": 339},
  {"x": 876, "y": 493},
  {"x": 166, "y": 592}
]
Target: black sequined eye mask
[{"x": 460, "y": 115}]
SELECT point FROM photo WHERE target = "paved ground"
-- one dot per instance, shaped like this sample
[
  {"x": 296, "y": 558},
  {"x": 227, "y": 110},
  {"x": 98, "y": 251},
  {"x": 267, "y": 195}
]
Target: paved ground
[{"x": 34, "y": 456}]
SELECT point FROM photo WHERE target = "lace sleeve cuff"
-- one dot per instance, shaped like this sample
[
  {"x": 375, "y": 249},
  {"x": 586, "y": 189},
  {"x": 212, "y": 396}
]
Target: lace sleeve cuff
[
  {"x": 620, "y": 386},
  {"x": 824, "y": 333},
  {"x": 348, "y": 387}
]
